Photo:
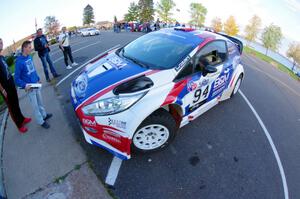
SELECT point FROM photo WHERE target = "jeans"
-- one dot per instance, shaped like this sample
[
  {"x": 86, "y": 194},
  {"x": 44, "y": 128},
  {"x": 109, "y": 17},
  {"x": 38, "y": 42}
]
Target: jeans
[
  {"x": 37, "y": 105},
  {"x": 46, "y": 58},
  {"x": 68, "y": 52}
]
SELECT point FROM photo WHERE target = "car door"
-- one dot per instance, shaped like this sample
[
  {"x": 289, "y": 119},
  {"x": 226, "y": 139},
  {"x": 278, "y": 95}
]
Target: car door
[{"x": 207, "y": 65}]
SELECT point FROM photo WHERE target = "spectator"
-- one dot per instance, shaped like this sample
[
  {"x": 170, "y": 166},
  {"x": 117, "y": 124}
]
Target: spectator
[
  {"x": 10, "y": 95},
  {"x": 26, "y": 74},
  {"x": 64, "y": 45},
  {"x": 157, "y": 25},
  {"x": 42, "y": 47}
]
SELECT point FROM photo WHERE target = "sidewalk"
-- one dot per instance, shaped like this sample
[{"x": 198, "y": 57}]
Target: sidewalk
[{"x": 46, "y": 163}]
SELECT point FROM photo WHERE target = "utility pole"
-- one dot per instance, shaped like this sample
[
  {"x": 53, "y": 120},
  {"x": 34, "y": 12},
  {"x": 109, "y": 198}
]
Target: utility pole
[{"x": 35, "y": 24}]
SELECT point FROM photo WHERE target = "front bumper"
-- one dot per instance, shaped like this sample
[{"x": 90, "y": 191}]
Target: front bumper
[{"x": 105, "y": 145}]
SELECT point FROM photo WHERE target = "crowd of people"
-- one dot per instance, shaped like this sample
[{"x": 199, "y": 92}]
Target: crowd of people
[
  {"x": 143, "y": 27},
  {"x": 27, "y": 79}
]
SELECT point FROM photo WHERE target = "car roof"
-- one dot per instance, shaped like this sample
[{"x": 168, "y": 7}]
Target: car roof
[{"x": 191, "y": 35}]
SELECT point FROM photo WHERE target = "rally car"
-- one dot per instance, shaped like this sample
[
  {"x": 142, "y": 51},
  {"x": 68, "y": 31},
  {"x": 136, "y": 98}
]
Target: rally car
[{"x": 135, "y": 98}]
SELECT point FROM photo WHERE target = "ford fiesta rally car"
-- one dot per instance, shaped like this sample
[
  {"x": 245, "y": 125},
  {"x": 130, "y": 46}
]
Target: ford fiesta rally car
[{"x": 138, "y": 96}]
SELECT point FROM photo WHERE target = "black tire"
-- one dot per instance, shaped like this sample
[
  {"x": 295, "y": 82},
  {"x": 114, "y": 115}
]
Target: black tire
[
  {"x": 240, "y": 78},
  {"x": 160, "y": 117}
]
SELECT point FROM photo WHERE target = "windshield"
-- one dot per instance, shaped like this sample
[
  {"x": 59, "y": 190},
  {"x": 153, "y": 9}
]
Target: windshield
[{"x": 157, "y": 51}]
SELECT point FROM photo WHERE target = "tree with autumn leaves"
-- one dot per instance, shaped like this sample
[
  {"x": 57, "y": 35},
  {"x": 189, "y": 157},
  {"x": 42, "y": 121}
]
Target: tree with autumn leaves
[
  {"x": 230, "y": 26},
  {"x": 216, "y": 24},
  {"x": 252, "y": 29}
]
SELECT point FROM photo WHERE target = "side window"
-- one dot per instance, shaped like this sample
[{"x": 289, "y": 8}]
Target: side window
[
  {"x": 186, "y": 70},
  {"x": 212, "y": 54}
]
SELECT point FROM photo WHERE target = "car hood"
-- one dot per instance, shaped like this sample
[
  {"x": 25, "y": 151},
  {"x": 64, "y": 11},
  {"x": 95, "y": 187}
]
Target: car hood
[{"x": 105, "y": 72}]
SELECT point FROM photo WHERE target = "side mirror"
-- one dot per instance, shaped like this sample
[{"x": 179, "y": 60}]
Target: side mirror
[{"x": 210, "y": 69}]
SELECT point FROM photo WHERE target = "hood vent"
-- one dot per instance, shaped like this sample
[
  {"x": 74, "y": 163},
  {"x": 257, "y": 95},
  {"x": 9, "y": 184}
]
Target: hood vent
[{"x": 134, "y": 85}]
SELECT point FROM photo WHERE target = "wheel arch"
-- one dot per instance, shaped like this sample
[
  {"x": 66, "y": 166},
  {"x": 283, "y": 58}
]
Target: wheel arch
[{"x": 173, "y": 109}]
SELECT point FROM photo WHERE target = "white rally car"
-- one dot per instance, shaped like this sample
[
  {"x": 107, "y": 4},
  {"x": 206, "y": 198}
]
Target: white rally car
[{"x": 138, "y": 96}]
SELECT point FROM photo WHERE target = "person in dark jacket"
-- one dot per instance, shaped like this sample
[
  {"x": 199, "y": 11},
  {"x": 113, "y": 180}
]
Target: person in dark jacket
[
  {"x": 9, "y": 94},
  {"x": 41, "y": 45},
  {"x": 25, "y": 76}
]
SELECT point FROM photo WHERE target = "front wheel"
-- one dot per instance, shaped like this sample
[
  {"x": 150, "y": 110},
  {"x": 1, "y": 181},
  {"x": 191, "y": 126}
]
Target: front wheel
[{"x": 155, "y": 132}]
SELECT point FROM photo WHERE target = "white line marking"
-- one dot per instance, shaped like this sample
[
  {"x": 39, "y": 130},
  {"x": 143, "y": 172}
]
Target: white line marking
[
  {"x": 113, "y": 171},
  {"x": 283, "y": 178},
  {"x": 78, "y": 50},
  {"x": 79, "y": 67}
]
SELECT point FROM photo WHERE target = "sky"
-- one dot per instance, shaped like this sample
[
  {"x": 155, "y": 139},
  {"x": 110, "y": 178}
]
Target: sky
[{"x": 18, "y": 16}]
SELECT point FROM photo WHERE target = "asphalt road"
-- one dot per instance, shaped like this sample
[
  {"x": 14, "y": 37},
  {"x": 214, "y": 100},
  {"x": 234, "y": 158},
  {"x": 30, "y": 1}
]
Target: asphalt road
[{"x": 222, "y": 154}]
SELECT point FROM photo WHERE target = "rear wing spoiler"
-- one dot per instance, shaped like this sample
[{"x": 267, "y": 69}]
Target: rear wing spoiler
[{"x": 238, "y": 43}]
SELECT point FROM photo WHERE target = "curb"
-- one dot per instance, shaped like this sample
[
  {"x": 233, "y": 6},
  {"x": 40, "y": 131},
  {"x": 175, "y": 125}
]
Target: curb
[{"x": 3, "y": 124}]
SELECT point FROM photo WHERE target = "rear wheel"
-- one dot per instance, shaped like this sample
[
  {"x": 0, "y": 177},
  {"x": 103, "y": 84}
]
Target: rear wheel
[
  {"x": 155, "y": 132},
  {"x": 237, "y": 85}
]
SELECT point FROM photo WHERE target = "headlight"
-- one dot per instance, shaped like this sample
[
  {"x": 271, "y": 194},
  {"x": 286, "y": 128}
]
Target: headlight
[{"x": 112, "y": 105}]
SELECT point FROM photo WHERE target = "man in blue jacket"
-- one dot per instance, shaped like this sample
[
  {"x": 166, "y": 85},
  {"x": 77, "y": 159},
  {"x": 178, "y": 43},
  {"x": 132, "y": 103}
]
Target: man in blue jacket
[
  {"x": 42, "y": 47},
  {"x": 26, "y": 74}
]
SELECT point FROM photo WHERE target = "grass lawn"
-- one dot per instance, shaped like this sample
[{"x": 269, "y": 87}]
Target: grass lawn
[
  {"x": 271, "y": 61},
  {"x": 1, "y": 99}
]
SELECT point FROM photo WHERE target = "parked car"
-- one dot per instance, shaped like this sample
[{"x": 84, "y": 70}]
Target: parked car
[
  {"x": 89, "y": 32},
  {"x": 138, "y": 96}
]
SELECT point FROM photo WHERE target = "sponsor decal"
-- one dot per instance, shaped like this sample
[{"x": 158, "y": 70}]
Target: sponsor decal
[
  {"x": 204, "y": 82},
  {"x": 117, "y": 123},
  {"x": 221, "y": 81},
  {"x": 181, "y": 64},
  {"x": 197, "y": 105},
  {"x": 89, "y": 122},
  {"x": 110, "y": 137},
  {"x": 218, "y": 91},
  {"x": 117, "y": 62},
  {"x": 191, "y": 86},
  {"x": 80, "y": 85}
]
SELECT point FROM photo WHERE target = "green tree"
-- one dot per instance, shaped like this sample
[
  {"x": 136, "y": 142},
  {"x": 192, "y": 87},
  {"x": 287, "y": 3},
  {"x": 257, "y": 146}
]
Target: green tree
[
  {"x": 294, "y": 53},
  {"x": 164, "y": 8},
  {"x": 115, "y": 19},
  {"x": 133, "y": 12},
  {"x": 216, "y": 24},
  {"x": 146, "y": 10},
  {"x": 51, "y": 25},
  {"x": 72, "y": 28},
  {"x": 88, "y": 15},
  {"x": 198, "y": 13},
  {"x": 252, "y": 28},
  {"x": 271, "y": 37},
  {"x": 230, "y": 26}
]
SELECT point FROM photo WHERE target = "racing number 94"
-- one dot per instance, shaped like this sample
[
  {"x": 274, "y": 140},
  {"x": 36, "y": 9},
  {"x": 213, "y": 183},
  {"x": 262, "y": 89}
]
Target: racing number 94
[{"x": 197, "y": 94}]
